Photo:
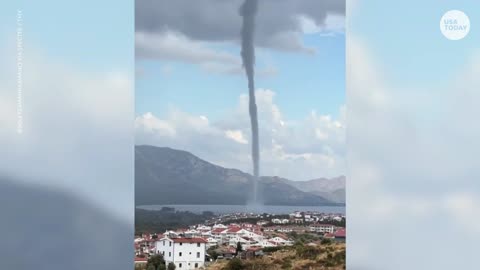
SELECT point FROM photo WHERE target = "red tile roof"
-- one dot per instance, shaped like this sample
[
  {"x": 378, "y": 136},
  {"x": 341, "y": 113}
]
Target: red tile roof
[
  {"x": 234, "y": 230},
  {"x": 218, "y": 230},
  {"x": 340, "y": 233},
  {"x": 323, "y": 225},
  {"x": 189, "y": 240}
]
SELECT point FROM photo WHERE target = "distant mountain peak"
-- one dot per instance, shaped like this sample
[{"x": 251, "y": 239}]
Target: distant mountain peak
[{"x": 165, "y": 175}]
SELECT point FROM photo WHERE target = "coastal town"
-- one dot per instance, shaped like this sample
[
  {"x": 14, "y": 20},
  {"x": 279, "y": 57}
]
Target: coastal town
[{"x": 239, "y": 236}]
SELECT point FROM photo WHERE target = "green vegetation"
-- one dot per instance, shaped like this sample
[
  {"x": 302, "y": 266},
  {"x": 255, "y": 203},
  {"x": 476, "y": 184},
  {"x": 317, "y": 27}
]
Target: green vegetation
[
  {"x": 273, "y": 249},
  {"x": 212, "y": 252},
  {"x": 341, "y": 223},
  {"x": 302, "y": 238},
  {"x": 156, "y": 262},
  {"x": 239, "y": 248},
  {"x": 139, "y": 267},
  {"x": 171, "y": 266},
  {"x": 326, "y": 241},
  {"x": 299, "y": 257},
  {"x": 234, "y": 264},
  {"x": 306, "y": 252},
  {"x": 149, "y": 221},
  {"x": 254, "y": 220}
]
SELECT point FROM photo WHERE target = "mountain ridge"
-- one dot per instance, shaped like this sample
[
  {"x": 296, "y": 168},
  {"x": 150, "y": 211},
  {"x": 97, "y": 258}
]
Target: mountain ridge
[{"x": 165, "y": 175}]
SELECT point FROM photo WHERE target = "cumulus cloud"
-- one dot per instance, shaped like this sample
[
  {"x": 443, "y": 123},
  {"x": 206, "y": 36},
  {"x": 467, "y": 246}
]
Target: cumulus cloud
[
  {"x": 151, "y": 124},
  {"x": 278, "y": 25},
  {"x": 333, "y": 25},
  {"x": 289, "y": 149},
  {"x": 236, "y": 135},
  {"x": 464, "y": 208},
  {"x": 175, "y": 46}
]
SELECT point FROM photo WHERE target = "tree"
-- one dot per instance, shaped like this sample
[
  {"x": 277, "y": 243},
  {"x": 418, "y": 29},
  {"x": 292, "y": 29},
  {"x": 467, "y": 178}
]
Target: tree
[
  {"x": 326, "y": 241},
  {"x": 156, "y": 262},
  {"x": 213, "y": 253},
  {"x": 171, "y": 266},
  {"x": 234, "y": 264},
  {"x": 239, "y": 248},
  {"x": 272, "y": 249},
  {"x": 306, "y": 252}
]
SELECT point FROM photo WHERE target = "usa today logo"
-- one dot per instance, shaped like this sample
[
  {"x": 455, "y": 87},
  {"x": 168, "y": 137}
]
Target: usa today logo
[{"x": 455, "y": 25}]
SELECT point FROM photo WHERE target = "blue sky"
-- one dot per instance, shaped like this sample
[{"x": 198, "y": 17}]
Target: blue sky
[
  {"x": 404, "y": 34},
  {"x": 304, "y": 82},
  {"x": 191, "y": 90},
  {"x": 85, "y": 34}
]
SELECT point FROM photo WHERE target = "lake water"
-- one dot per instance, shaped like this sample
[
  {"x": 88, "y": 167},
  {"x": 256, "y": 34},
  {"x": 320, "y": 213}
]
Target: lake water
[{"x": 270, "y": 209}]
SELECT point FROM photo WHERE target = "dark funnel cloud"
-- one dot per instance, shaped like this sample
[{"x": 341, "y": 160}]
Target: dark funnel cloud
[{"x": 248, "y": 11}]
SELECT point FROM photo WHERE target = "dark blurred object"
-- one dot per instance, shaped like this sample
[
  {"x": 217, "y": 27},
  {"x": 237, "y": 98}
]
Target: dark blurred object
[{"x": 46, "y": 229}]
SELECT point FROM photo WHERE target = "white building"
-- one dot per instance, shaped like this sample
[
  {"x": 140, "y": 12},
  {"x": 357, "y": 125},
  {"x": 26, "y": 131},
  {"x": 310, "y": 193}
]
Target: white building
[
  {"x": 192, "y": 233},
  {"x": 237, "y": 239},
  {"x": 322, "y": 228},
  {"x": 298, "y": 220},
  {"x": 204, "y": 228},
  {"x": 280, "y": 221},
  {"x": 337, "y": 218},
  {"x": 284, "y": 229},
  {"x": 211, "y": 242},
  {"x": 220, "y": 226},
  {"x": 276, "y": 221},
  {"x": 262, "y": 222},
  {"x": 267, "y": 243},
  {"x": 219, "y": 234},
  {"x": 171, "y": 234},
  {"x": 185, "y": 253},
  {"x": 310, "y": 219},
  {"x": 296, "y": 214},
  {"x": 280, "y": 241}
]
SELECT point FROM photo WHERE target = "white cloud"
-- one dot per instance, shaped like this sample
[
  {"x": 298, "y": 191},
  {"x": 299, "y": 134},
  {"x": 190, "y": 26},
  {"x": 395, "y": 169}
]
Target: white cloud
[
  {"x": 288, "y": 148},
  {"x": 333, "y": 25},
  {"x": 290, "y": 41},
  {"x": 149, "y": 123},
  {"x": 464, "y": 208},
  {"x": 174, "y": 46},
  {"x": 276, "y": 24},
  {"x": 236, "y": 135}
]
